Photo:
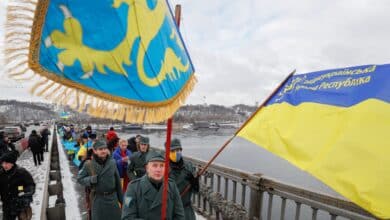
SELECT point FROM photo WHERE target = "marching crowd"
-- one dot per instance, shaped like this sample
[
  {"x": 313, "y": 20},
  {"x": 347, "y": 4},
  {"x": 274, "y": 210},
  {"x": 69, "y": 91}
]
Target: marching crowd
[{"x": 123, "y": 179}]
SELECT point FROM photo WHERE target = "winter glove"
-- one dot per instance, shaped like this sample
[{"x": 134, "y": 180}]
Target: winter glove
[{"x": 94, "y": 179}]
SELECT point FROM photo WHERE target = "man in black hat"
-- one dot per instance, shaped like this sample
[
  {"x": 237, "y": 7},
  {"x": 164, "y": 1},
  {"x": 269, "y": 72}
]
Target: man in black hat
[
  {"x": 183, "y": 173},
  {"x": 16, "y": 188},
  {"x": 101, "y": 174},
  {"x": 143, "y": 198},
  {"x": 136, "y": 167},
  {"x": 5, "y": 144}
]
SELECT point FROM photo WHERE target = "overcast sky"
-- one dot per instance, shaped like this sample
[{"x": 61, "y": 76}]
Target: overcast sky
[{"x": 242, "y": 49}]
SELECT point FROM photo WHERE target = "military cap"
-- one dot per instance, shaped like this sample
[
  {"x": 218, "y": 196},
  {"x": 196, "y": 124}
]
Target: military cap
[
  {"x": 99, "y": 144},
  {"x": 175, "y": 144},
  {"x": 144, "y": 140},
  {"x": 154, "y": 156}
]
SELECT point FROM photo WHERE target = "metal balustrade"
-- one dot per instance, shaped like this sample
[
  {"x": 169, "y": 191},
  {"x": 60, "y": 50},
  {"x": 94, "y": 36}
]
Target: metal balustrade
[
  {"x": 53, "y": 186},
  {"x": 228, "y": 193}
]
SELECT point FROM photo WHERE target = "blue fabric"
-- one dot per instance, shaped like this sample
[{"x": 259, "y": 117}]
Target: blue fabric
[
  {"x": 122, "y": 167},
  {"x": 340, "y": 87},
  {"x": 104, "y": 27}
]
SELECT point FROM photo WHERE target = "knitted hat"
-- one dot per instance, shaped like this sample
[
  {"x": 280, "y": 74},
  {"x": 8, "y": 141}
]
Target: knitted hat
[
  {"x": 9, "y": 157},
  {"x": 175, "y": 144}
]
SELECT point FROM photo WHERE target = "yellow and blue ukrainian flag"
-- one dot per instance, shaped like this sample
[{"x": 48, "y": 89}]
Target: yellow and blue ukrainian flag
[{"x": 335, "y": 125}]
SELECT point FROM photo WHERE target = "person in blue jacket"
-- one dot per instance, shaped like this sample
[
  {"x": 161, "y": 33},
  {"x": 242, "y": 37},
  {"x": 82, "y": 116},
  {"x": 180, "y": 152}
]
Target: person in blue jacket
[{"x": 121, "y": 156}]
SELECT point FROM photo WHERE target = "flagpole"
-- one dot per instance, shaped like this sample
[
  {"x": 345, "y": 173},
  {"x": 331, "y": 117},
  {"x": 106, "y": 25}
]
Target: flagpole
[
  {"x": 168, "y": 142},
  {"x": 235, "y": 134}
]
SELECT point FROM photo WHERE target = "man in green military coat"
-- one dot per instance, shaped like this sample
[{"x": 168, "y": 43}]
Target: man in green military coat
[
  {"x": 183, "y": 173},
  {"x": 136, "y": 167},
  {"x": 143, "y": 196},
  {"x": 102, "y": 176}
]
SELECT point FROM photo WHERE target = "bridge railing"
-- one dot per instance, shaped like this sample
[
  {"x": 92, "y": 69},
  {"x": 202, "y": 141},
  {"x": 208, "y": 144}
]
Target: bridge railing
[
  {"x": 227, "y": 193},
  {"x": 53, "y": 188}
]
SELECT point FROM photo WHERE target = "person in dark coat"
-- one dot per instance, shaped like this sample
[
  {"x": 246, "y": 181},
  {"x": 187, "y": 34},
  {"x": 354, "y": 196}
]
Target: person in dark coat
[
  {"x": 88, "y": 130},
  {"x": 36, "y": 146},
  {"x": 113, "y": 144},
  {"x": 136, "y": 168},
  {"x": 16, "y": 188},
  {"x": 183, "y": 173},
  {"x": 122, "y": 156},
  {"x": 143, "y": 198},
  {"x": 102, "y": 176},
  {"x": 6, "y": 145},
  {"x": 45, "y": 138},
  {"x": 133, "y": 143}
]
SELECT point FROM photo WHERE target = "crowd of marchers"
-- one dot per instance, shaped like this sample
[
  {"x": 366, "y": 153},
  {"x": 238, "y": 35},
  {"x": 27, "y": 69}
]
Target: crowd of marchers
[{"x": 123, "y": 179}]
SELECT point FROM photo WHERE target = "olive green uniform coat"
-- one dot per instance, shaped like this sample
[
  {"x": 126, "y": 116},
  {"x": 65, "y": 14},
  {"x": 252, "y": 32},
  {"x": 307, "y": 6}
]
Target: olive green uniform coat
[
  {"x": 180, "y": 176},
  {"x": 136, "y": 167},
  {"x": 107, "y": 192},
  {"x": 143, "y": 201}
]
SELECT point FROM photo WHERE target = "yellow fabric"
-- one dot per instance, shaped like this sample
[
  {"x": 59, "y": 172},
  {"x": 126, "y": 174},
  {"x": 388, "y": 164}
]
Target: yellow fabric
[
  {"x": 82, "y": 152},
  {"x": 172, "y": 156},
  {"x": 346, "y": 148}
]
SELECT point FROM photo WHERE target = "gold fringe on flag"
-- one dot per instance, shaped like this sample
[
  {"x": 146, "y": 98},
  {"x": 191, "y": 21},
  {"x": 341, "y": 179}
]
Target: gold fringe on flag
[{"x": 21, "y": 38}]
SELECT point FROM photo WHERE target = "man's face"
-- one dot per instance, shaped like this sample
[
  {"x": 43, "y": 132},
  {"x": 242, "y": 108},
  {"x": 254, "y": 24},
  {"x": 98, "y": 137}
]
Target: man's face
[
  {"x": 7, "y": 166},
  {"x": 155, "y": 170},
  {"x": 101, "y": 152},
  {"x": 6, "y": 139},
  {"x": 143, "y": 147}
]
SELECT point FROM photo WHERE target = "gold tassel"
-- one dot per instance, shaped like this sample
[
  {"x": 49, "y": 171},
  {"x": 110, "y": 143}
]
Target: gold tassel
[
  {"x": 46, "y": 88},
  {"x": 18, "y": 24},
  {"x": 50, "y": 95},
  {"x": 37, "y": 85},
  {"x": 20, "y": 73},
  {"x": 16, "y": 65},
  {"x": 18, "y": 33},
  {"x": 60, "y": 96},
  {"x": 8, "y": 59},
  {"x": 25, "y": 79},
  {"x": 82, "y": 104},
  {"x": 27, "y": 1},
  {"x": 11, "y": 16},
  {"x": 14, "y": 50},
  {"x": 20, "y": 9}
]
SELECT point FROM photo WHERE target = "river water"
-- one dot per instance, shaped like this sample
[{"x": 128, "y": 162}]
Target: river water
[{"x": 239, "y": 154}]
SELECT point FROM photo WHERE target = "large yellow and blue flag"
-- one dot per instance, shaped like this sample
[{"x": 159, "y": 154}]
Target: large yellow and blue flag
[
  {"x": 335, "y": 125},
  {"x": 122, "y": 59}
]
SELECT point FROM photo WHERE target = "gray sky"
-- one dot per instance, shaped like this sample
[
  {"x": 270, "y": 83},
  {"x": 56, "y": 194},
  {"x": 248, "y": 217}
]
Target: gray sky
[{"x": 242, "y": 49}]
